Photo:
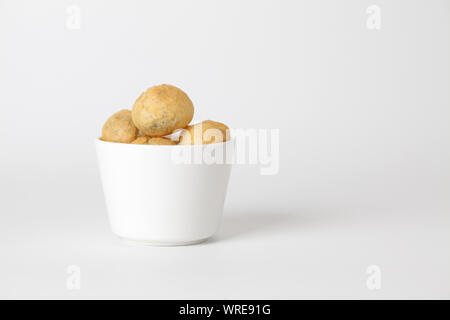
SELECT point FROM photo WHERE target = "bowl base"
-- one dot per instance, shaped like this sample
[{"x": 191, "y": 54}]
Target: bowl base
[{"x": 153, "y": 243}]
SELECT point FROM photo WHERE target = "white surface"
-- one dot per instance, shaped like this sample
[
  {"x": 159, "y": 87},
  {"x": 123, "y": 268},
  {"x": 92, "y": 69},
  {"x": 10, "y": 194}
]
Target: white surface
[
  {"x": 364, "y": 155},
  {"x": 154, "y": 195}
]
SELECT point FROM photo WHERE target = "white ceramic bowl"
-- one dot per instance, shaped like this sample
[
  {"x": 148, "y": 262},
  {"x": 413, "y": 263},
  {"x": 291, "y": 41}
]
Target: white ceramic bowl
[{"x": 152, "y": 199}]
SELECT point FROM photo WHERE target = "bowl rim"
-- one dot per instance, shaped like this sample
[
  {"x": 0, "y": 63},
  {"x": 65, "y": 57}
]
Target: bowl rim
[{"x": 152, "y": 146}]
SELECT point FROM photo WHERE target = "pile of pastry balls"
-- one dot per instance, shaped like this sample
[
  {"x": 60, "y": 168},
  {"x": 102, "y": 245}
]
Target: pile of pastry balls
[{"x": 161, "y": 116}]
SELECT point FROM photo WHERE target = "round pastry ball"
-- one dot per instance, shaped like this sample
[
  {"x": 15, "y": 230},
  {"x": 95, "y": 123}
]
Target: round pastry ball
[
  {"x": 205, "y": 132},
  {"x": 119, "y": 128},
  {"x": 162, "y": 109},
  {"x": 161, "y": 141},
  {"x": 140, "y": 140}
]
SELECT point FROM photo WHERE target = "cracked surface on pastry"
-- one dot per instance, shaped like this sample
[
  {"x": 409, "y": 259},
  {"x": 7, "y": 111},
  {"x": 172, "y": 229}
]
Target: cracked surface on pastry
[{"x": 162, "y": 109}]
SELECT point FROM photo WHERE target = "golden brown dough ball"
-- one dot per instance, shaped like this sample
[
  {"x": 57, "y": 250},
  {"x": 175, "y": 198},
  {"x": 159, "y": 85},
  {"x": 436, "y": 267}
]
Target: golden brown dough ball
[
  {"x": 204, "y": 133},
  {"x": 119, "y": 128},
  {"x": 161, "y": 141},
  {"x": 162, "y": 109},
  {"x": 140, "y": 140}
]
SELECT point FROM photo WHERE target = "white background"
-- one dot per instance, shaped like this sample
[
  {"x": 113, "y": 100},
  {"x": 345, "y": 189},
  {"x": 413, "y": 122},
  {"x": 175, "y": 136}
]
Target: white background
[{"x": 364, "y": 145}]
